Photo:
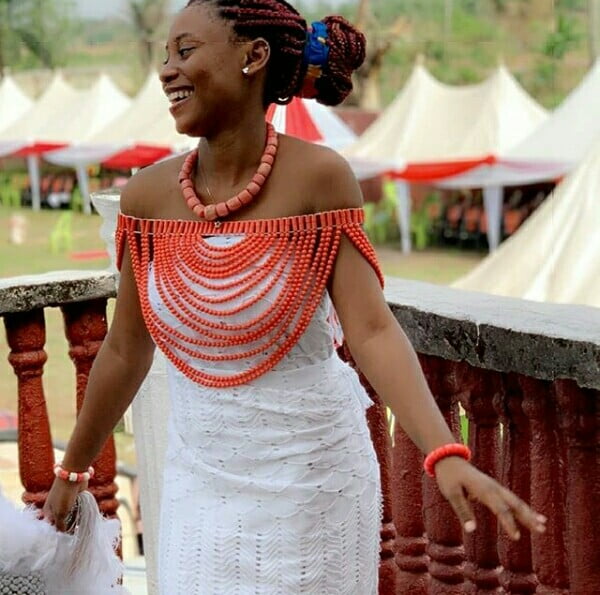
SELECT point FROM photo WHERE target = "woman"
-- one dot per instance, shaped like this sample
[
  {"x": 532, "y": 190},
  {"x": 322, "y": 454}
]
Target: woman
[{"x": 271, "y": 482}]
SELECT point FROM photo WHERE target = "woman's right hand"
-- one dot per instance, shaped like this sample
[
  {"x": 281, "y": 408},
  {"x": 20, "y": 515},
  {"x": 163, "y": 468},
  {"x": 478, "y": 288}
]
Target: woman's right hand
[{"x": 61, "y": 502}]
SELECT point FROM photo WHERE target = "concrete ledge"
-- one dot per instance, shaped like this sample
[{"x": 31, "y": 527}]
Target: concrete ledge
[
  {"x": 20, "y": 294},
  {"x": 545, "y": 341}
]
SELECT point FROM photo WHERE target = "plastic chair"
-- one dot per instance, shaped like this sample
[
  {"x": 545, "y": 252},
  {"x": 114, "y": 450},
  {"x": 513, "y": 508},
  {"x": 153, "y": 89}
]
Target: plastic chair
[{"x": 61, "y": 237}]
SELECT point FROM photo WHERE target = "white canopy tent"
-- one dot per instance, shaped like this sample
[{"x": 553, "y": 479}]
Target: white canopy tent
[
  {"x": 43, "y": 121},
  {"x": 569, "y": 135},
  {"x": 434, "y": 123},
  {"x": 62, "y": 116},
  {"x": 141, "y": 133},
  {"x": 148, "y": 121},
  {"x": 13, "y": 102},
  {"x": 554, "y": 148},
  {"x": 432, "y": 130},
  {"x": 555, "y": 255},
  {"x": 99, "y": 106}
]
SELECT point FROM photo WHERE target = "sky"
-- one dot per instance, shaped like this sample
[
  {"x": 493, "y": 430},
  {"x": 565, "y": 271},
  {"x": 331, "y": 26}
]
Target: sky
[{"x": 108, "y": 8}]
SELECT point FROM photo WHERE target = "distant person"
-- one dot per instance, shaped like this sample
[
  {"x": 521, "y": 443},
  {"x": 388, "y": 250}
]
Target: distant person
[{"x": 231, "y": 257}]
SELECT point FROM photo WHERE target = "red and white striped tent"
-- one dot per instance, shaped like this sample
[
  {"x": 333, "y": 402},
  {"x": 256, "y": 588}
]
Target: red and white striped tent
[
  {"x": 311, "y": 121},
  {"x": 8, "y": 420},
  {"x": 317, "y": 123}
]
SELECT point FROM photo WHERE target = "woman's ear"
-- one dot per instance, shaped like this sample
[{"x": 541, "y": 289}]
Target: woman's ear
[{"x": 257, "y": 56}]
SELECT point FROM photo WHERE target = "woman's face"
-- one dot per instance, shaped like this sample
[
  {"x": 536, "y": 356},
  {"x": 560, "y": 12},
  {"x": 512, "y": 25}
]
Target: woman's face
[{"x": 202, "y": 74}]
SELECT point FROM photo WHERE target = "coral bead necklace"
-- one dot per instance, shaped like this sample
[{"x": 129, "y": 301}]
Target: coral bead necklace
[{"x": 212, "y": 212}]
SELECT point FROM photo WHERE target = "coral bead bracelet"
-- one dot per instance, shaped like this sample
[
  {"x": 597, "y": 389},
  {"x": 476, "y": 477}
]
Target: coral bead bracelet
[{"x": 443, "y": 452}]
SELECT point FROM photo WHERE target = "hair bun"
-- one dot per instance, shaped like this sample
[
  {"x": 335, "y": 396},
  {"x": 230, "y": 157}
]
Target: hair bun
[{"x": 347, "y": 48}]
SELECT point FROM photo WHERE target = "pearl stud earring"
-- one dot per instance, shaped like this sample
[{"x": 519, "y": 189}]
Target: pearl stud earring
[{"x": 246, "y": 70}]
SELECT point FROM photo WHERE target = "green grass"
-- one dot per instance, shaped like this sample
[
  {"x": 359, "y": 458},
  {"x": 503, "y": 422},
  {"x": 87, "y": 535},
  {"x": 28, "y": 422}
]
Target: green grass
[
  {"x": 32, "y": 257},
  {"x": 35, "y": 256},
  {"x": 435, "y": 265}
]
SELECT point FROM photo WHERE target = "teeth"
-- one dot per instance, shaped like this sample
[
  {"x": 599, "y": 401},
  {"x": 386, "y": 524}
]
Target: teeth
[{"x": 179, "y": 95}]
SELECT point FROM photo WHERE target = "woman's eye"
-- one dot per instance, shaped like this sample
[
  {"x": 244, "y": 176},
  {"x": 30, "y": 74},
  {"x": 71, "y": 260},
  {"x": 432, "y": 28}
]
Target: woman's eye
[{"x": 183, "y": 52}]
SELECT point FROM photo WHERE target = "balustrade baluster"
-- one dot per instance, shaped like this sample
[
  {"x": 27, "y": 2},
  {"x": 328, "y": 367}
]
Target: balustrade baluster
[
  {"x": 580, "y": 421},
  {"x": 517, "y": 576},
  {"x": 478, "y": 388},
  {"x": 376, "y": 418},
  {"x": 411, "y": 542},
  {"x": 548, "y": 478},
  {"x": 26, "y": 337},
  {"x": 445, "y": 549},
  {"x": 85, "y": 328},
  {"x": 548, "y": 439}
]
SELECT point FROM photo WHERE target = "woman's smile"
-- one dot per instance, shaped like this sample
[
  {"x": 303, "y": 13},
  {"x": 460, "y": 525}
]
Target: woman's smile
[{"x": 178, "y": 97}]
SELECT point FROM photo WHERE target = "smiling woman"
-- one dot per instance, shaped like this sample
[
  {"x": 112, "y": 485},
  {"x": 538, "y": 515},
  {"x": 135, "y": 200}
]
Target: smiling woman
[{"x": 238, "y": 260}]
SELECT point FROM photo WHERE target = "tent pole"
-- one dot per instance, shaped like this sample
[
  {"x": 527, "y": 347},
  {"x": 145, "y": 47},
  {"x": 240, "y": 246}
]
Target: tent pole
[
  {"x": 82, "y": 180},
  {"x": 492, "y": 202},
  {"x": 33, "y": 167},
  {"x": 403, "y": 208}
]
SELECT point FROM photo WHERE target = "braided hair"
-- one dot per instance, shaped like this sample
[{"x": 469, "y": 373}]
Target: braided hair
[{"x": 285, "y": 30}]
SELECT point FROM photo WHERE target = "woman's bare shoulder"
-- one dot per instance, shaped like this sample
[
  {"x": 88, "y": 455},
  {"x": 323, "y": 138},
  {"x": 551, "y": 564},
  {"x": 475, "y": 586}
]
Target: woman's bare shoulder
[
  {"x": 146, "y": 192},
  {"x": 326, "y": 176}
]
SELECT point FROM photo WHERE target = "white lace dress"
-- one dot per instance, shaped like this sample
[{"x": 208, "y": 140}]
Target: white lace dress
[{"x": 271, "y": 487}]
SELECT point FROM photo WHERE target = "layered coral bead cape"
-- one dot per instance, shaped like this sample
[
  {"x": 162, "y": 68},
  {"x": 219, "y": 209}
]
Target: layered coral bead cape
[{"x": 246, "y": 303}]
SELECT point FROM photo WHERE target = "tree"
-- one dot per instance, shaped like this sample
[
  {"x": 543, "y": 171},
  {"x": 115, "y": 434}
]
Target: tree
[
  {"x": 6, "y": 34},
  {"x": 368, "y": 78},
  {"x": 594, "y": 29},
  {"x": 43, "y": 28},
  {"x": 562, "y": 39},
  {"x": 148, "y": 18},
  {"x": 448, "y": 11}
]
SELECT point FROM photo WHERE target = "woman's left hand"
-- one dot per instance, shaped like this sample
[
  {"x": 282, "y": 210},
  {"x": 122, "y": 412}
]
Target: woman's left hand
[{"x": 459, "y": 481}]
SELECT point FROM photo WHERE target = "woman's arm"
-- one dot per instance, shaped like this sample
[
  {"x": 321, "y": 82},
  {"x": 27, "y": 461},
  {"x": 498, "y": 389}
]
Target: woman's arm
[
  {"x": 116, "y": 375},
  {"x": 386, "y": 358},
  {"x": 383, "y": 352}
]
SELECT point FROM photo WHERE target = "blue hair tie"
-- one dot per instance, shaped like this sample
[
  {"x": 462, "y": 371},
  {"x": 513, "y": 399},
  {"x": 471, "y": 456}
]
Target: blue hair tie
[{"x": 316, "y": 50}]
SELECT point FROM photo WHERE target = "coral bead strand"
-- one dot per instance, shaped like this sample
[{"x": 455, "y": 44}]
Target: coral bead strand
[
  {"x": 238, "y": 337},
  {"x": 282, "y": 307},
  {"x": 172, "y": 268},
  {"x": 323, "y": 257},
  {"x": 302, "y": 248},
  {"x": 289, "y": 315}
]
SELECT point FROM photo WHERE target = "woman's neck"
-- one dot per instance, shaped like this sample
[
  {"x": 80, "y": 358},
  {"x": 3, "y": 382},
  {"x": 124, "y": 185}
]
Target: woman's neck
[{"x": 227, "y": 156}]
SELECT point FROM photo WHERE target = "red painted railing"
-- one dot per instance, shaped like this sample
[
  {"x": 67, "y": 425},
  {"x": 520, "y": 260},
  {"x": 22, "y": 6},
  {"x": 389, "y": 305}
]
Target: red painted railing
[
  {"x": 85, "y": 326},
  {"x": 533, "y": 411}
]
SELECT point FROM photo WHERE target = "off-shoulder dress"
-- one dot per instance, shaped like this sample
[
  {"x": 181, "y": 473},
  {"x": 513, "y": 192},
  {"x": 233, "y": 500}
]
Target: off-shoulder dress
[{"x": 271, "y": 482}]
